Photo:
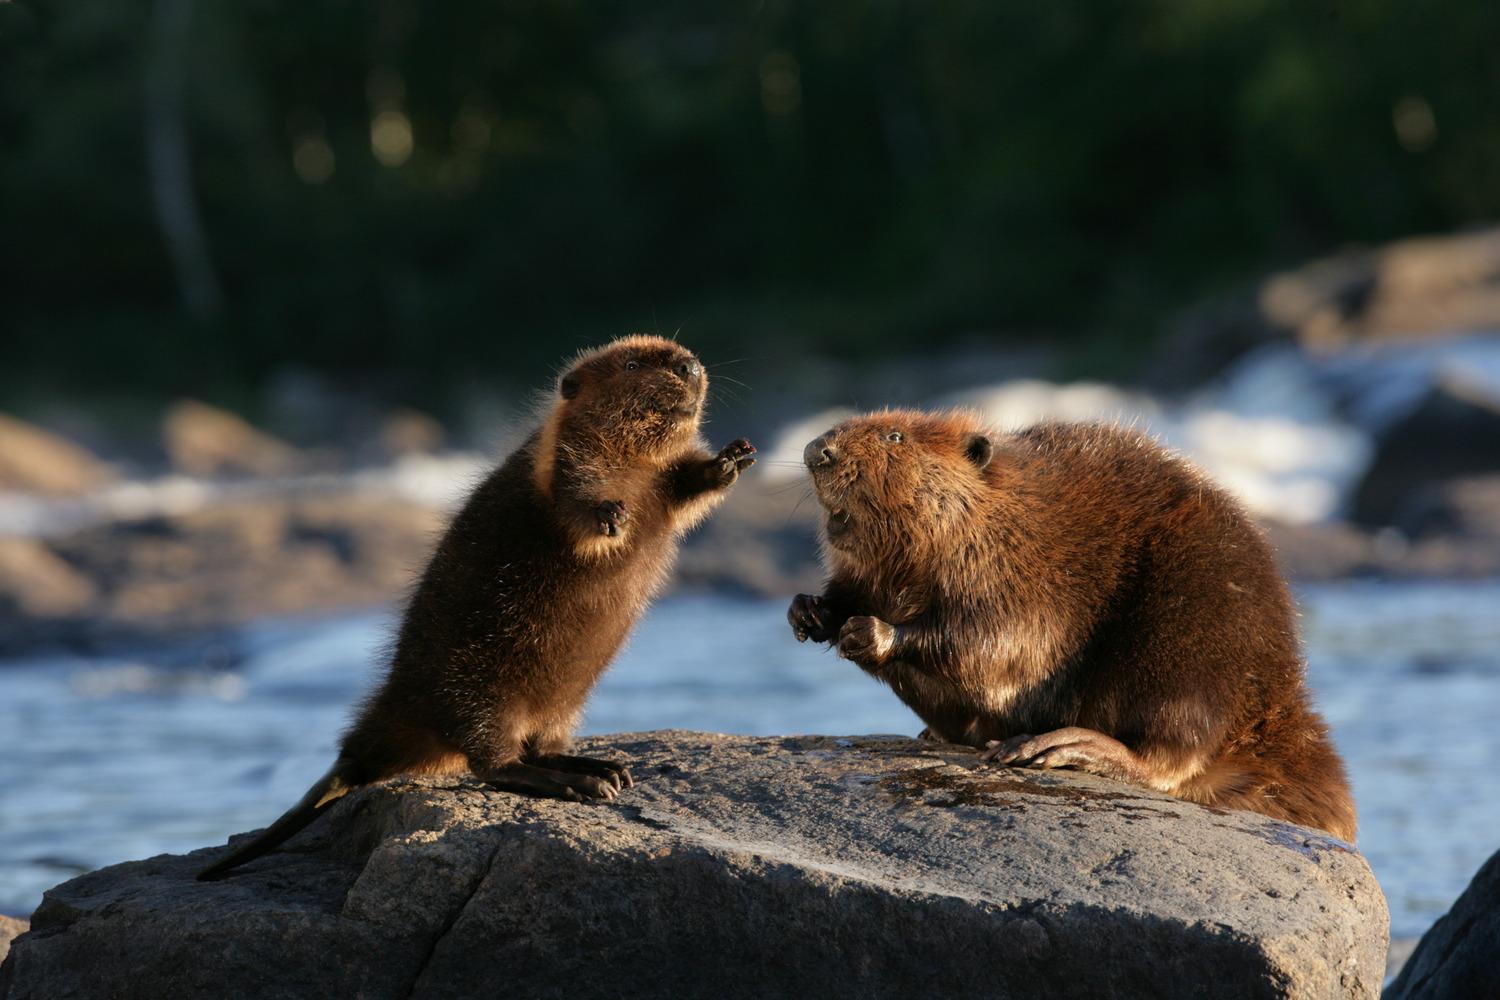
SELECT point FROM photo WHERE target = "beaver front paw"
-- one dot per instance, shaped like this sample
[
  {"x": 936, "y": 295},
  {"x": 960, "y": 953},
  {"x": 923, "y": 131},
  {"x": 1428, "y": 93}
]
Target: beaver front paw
[
  {"x": 806, "y": 616},
  {"x": 611, "y": 517},
  {"x": 737, "y": 456},
  {"x": 867, "y": 641}
]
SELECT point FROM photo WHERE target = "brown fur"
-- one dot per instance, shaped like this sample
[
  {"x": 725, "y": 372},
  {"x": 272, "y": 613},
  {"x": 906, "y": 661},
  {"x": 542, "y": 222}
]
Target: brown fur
[
  {"x": 1078, "y": 583},
  {"x": 535, "y": 586}
]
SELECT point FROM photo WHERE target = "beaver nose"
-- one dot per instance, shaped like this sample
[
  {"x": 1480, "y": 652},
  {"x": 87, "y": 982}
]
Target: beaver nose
[
  {"x": 689, "y": 369},
  {"x": 818, "y": 452}
]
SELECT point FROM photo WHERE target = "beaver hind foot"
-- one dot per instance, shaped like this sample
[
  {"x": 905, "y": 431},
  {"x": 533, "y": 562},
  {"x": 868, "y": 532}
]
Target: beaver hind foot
[
  {"x": 617, "y": 774},
  {"x": 544, "y": 782},
  {"x": 1072, "y": 747}
]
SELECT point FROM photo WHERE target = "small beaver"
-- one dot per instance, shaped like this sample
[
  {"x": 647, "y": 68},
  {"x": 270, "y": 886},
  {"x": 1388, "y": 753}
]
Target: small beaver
[
  {"x": 535, "y": 586},
  {"x": 1070, "y": 596}
]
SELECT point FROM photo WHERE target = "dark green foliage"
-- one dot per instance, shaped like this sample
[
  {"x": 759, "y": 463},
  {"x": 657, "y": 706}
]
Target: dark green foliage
[{"x": 866, "y": 175}]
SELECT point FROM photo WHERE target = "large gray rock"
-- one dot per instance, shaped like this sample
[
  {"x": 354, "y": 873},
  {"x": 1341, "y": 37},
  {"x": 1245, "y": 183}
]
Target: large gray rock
[
  {"x": 739, "y": 867},
  {"x": 1460, "y": 956}
]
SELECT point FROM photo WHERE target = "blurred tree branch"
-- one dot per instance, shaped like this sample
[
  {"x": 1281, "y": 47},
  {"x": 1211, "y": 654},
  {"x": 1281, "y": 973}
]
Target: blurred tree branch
[{"x": 169, "y": 160}]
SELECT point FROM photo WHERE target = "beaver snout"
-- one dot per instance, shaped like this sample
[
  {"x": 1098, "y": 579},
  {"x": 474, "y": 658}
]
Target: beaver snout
[
  {"x": 819, "y": 452},
  {"x": 689, "y": 386}
]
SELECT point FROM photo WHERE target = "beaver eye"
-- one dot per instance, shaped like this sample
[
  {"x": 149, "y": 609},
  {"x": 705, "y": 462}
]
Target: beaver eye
[
  {"x": 894, "y": 437},
  {"x": 631, "y": 366}
]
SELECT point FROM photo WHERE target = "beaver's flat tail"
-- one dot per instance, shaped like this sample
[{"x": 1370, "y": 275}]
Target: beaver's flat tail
[{"x": 319, "y": 797}]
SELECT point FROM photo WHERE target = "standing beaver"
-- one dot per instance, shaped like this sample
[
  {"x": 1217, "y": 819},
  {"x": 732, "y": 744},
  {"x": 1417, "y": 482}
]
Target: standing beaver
[
  {"x": 535, "y": 586},
  {"x": 1070, "y": 596}
]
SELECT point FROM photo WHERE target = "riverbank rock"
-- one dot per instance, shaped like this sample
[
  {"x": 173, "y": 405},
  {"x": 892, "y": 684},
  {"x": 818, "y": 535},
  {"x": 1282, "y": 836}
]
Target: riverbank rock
[
  {"x": 1423, "y": 288},
  {"x": 1452, "y": 433},
  {"x": 410, "y": 432},
  {"x": 36, "y": 584},
  {"x": 230, "y": 562},
  {"x": 1465, "y": 507},
  {"x": 1312, "y": 553},
  {"x": 36, "y": 461},
  {"x": 10, "y": 929},
  {"x": 762, "y": 542},
  {"x": 209, "y": 557},
  {"x": 204, "y": 440},
  {"x": 1420, "y": 287},
  {"x": 739, "y": 867},
  {"x": 1460, "y": 955}
]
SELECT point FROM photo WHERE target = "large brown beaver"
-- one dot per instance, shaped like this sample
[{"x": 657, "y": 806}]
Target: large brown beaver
[
  {"x": 535, "y": 586},
  {"x": 1070, "y": 596}
]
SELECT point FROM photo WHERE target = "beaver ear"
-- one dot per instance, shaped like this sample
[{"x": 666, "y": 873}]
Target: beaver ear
[
  {"x": 979, "y": 450},
  {"x": 568, "y": 386}
]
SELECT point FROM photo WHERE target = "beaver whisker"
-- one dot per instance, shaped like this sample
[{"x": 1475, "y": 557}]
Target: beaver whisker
[{"x": 798, "y": 506}]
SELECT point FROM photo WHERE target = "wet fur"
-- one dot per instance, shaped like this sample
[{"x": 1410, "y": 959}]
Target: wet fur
[
  {"x": 531, "y": 593},
  {"x": 1073, "y": 576}
]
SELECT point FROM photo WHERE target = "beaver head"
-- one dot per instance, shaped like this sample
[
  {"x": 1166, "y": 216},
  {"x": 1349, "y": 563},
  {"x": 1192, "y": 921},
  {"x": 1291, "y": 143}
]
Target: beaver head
[
  {"x": 646, "y": 393},
  {"x": 897, "y": 480}
]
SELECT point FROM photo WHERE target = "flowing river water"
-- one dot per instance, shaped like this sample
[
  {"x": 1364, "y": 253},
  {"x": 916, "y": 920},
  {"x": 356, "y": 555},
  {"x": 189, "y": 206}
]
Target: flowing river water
[{"x": 109, "y": 758}]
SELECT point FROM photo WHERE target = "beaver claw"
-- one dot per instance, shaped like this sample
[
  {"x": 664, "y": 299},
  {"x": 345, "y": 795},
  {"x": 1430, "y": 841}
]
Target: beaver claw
[
  {"x": 806, "y": 618},
  {"x": 611, "y": 516},
  {"x": 737, "y": 456}
]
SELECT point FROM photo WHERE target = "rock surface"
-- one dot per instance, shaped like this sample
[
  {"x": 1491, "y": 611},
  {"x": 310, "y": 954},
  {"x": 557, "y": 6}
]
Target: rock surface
[
  {"x": 36, "y": 583},
  {"x": 1317, "y": 552},
  {"x": 231, "y": 562},
  {"x": 10, "y": 929},
  {"x": 1420, "y": 289},
  {"x": 1460, "y": 955},
  {"x": 36, "y": 461},
  {"x": 410, "y": 432},
  {"x": 739, "y": 867},
  {"x": 1466, "y": 508},
  {"x": 205, "y": 440},
  {"x": 1425, "y": 286},
  {"x": 1453, "y": 432}
]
